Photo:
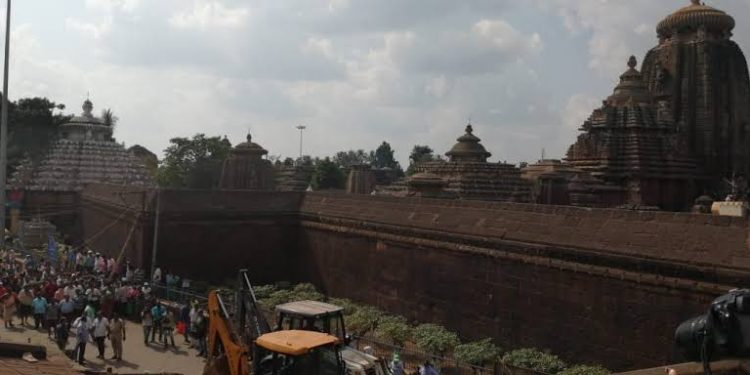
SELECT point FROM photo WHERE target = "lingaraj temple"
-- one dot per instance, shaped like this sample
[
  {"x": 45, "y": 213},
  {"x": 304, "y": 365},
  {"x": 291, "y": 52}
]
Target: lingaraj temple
[{"x": 568, "y": 255}]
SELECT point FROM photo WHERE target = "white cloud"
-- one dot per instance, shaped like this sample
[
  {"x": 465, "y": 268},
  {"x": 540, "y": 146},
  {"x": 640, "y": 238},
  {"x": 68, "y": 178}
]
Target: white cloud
[
  {"x": 206, "y": 14},
  {"x": 505, "y": 37},
  {"x": 111, "y": 5},
  {"x": 90, "y": 29}
]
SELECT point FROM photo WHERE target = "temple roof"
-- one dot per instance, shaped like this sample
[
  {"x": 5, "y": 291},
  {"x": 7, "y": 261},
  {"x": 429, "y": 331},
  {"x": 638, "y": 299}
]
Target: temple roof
[
  {"x": 85, "y": 153},
  {"x": 632, "y": 88},
  {"x": 86, "y": 117},
  {"x": 468, "y": 148},
  {"x": 693, "y": 16},
  {"x": 249, "y": 148},
  {"x": 85, "y": 126}
]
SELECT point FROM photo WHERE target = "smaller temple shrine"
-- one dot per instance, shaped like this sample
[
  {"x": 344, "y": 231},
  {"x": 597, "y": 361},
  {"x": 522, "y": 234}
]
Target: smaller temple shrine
[
  {"x": 633, "y": 145},
  {"x": 84, "y": 153},
  {"x": 466, "y": 175},
  {"x": 361, "y": 179},
  {"x": 246, "y": 168}
]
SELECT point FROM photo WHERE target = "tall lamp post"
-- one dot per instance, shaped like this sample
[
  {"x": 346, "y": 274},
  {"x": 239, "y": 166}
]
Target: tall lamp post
[
  {"x": 300, "y": 128},
  {"x": 4, "y": 127}
]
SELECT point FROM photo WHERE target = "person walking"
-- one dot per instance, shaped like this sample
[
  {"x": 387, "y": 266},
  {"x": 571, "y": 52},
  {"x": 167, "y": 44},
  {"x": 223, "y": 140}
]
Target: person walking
[
  {"x": 117, "y": 335},
  {"x": 62, "y": 330},
  {"x": 9, "y": 308},
  {"x": 201, "y": 327},
  {"x": 39, "y": 306},
  {"x": 147, "y": 322},
  {"x": 101, "y": 325},
  {"x": 25, "y": 297},
  {"x": 397, "y": 367},
  {"x": 185, "y": 319},
  {"x": 67, "y": 308},
  {"x": 157, "y": 314},
  {"x": 82, "y": 338},
  {"x": 51, "y": 317},
  {"x": 167, "y": 326}
]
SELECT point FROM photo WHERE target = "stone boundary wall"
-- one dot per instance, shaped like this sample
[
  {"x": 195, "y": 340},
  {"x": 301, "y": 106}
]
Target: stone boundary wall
[{"x": 714, "y": 245}]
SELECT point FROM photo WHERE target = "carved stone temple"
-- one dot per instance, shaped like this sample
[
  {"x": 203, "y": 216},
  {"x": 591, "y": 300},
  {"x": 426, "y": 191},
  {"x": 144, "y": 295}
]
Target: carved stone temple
[
  {"x": 246, "y": 169},
  {"x": 676, "y": 130},
  {"x": 466, "y": 175},
  {"x": 703, "y": 76},
  {"x": 84, "y": 153},
  {"x": 632, "y": 142}
]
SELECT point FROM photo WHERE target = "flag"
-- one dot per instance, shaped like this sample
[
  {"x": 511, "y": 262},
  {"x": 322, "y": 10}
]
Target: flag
[{"x": 52, "y": 249}]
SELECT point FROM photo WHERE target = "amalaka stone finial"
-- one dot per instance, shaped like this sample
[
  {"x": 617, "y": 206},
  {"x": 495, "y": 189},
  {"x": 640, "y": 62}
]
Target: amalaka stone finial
[
  {"x": 249, "y": 137},
  {"x": 469, "y": 129},
  {"x": 632, "y": 62},
  {"x": 87, "y": 107},
  {"x": 696, "y": 2}
]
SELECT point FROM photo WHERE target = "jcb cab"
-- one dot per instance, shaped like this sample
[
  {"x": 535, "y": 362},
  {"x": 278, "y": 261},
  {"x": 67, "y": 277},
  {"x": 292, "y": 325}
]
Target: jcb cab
[{"x": 297, "y": 352}]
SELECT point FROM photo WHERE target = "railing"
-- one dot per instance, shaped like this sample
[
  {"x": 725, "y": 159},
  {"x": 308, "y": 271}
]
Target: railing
[{"x": 178, "y": 295}]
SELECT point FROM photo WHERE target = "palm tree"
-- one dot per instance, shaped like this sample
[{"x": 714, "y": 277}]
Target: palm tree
[{"x": 109, "y": 118}]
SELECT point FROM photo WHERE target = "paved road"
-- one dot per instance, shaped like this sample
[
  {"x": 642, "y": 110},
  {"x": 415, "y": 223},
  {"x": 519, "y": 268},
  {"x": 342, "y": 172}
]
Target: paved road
[{"x": 137, "y": 357}]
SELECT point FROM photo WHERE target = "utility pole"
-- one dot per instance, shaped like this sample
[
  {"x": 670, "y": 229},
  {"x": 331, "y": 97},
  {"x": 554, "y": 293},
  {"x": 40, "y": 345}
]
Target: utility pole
[
  {"x": 4, "y": 128},
  {"x": 300, "y": 128},
  {"x": 155, "y": 244}
]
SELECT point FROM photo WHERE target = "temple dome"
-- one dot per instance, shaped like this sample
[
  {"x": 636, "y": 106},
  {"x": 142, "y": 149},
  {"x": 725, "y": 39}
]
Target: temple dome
[
  {"x": 86, "y": 117},
  {"x": 692, "y": 17},
  {"x": 468, "y": 148},
  {"x": 85, "y": 126},
  {"x": 250, "y": 147}
]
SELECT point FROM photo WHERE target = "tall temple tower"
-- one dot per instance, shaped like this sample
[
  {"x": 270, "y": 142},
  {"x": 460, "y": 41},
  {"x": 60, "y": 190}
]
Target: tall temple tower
[{"x": 702, "y": 76}]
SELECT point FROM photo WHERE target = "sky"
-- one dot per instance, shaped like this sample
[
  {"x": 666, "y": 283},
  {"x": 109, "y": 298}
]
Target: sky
[{"x": 527, "y": 73}]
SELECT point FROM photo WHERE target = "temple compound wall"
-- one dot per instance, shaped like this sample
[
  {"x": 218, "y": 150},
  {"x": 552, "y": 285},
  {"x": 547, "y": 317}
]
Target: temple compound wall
[
  {"x": 594, "y": 285},
  {"x": 202, "y": 234}
]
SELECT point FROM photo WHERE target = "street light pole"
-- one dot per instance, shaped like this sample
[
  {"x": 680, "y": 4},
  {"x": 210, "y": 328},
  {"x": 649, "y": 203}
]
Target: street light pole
[
  {"x": 301, "y": 128},
  {"x": 4, "y": 128}
]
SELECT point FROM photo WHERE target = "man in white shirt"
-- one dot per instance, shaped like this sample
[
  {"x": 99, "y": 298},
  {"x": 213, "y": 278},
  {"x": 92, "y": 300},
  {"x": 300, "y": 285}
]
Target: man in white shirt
[{"x": 100, "y": 333}]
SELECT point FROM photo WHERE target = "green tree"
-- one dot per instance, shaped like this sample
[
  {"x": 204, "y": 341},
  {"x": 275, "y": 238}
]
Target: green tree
[
  {"x": 394, "y": 329},
  {"x": 420, "y": 154},
  {"x": 478, "y": 353},
  {"x": 327, "y": 175},
  {"x": 32, "y": 126},
  {"x": 193, "y": 163},
  {"x": 435, "y": 339},
  {"x": 345, "y": 159},
  {"x": 535, "y": 359},
  {"x": 585, "y": 370},
  {"x": 384, "y": 157}
]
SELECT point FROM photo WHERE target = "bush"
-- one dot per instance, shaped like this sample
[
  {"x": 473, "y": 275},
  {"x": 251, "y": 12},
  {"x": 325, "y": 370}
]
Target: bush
[
  {"x": 264, "y": 291},
  {"x": 534, "y": 359},
  {"x": 394, "y": 329},
  {"x": 435, "y": 339},
  {"x": 585, "y": 370},
  {"x": 478, "y": 353},
  {"x": 348, "y": 306},
  {"x": 363, "y": 320},
  {"x": 276, "y": 298},
  {"x": 307, "y": 292}
]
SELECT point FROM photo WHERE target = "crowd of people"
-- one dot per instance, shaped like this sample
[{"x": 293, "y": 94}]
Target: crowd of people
[{"x": 92, "y": 296}]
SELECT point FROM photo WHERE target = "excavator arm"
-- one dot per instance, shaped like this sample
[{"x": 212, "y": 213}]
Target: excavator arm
[{"x": 227, "y": 354}]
